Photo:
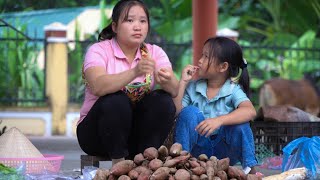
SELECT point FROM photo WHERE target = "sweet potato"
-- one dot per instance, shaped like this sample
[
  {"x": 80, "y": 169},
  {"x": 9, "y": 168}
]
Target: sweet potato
[
  {"x": 194, "y": 164},
  {"x": 138, "y": 159},
  {"x": 203, "y": 164},
  {"x": 223, "y": 164},
  {"x": 203, "y": 177},
  {"x": 203, "y": 157},
  {"x": 122, "y": 167},
  {"x": 150, "y": 153},
  {"x": 170, "y": 177},
  {"x": 253, "y": 177},
  {"x": 182, "y": 174},
  {"x": 160, "y": 173},
  {"x": 141, "y": 169},
  {"x": 175, "y": 149},
  {"x": 198, "y": 170},
  {"x": 163, "y": 152},
  {"x": 145, "y": 163},
  {"x": 173, "y": 170},
  {"x": 210, "y": 170},
  {"x": 101, "y": 174},
  {"x": 124, "y": 177},
  {"x": 184, "y": 152},
  {"x": 183, "y": 158},
  {"x": 234, "y": 172},
  {"x": 195, "y": 177},
  {"x": 155, "y": 164},
  {"x": 222, "y": 175},
  {"x": 143, "y": 176},
  {"x": 112, "y": 177},
  {"x": 171, "y": 163},
  {"x": 133, "y": 174}
]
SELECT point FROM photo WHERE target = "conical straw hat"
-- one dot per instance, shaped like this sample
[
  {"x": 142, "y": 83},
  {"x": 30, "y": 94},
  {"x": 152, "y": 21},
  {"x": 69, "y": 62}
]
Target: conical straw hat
[{"x": 14, "y": 144}]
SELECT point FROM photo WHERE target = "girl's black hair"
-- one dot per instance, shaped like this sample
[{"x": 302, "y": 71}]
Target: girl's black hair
[
  {"x": 122, "y": 7},
  {"x": 223, "y": 49}
]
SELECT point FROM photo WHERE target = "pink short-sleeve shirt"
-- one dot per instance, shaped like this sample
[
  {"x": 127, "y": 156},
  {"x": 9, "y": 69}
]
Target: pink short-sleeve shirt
[{"x": 107, "y": 54}]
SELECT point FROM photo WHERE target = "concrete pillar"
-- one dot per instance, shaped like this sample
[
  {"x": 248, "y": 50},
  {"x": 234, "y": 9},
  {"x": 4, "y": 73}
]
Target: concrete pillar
[
  {"x": 56, "y": 75},
  {"x": 204, "y": 24}
]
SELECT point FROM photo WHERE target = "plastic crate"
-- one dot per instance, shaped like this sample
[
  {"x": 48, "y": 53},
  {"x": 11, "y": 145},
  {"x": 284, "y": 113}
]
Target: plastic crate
[{"x": 276, "y": 135}]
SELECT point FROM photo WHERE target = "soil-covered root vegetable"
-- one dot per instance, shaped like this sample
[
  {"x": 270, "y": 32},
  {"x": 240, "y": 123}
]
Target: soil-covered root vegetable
[
  {"x": 163, "y": 152},
  {"x": 182, "y": 174},
  {"x": 203, "y": 177},
  {"x": 253, "y": 177},
  {"x": 234, "y": 172},
  {"x": 195, "y": 177},
  {"x": 183, "y": 158},
  {"x": 222, "y": 175},
  {"x": 210, "y": 170},
  {"x": 122, "y": 167},
  {"x": 141, "y": 169},
  {"x": 144, "y": 176},
  {"x": 133, "y": 174},
  {"x": 198, "y": 170},
  {"x": 138, "y": 159},
  {"x": 150, "y": 153},
  {"x": 193, "y": 164},
  {"x": 160, "y": 173},
  {"x": 175, "y": 149},
  {"x": 171, "y": 177},
  {"x": 184, "y": 152},
  {"x": 171, "y": 163},
  {"x": 202, "y": 164},
  {"x": 173, "y": 170},
  {"x": 155, "y": 164},
  {"x": 203, "y": 157},
  {"x": 216, "y": 178},
  {"x": 124, "y": 177},
  {"x": 223, "y": 164},
  {"x": 112, "y": 177},
  {"x": 101, "y": 174}
]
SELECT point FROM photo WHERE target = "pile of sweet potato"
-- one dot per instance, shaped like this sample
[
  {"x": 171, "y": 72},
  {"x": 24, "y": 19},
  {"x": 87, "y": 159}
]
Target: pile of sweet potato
[{"x": 172, "y": 164}]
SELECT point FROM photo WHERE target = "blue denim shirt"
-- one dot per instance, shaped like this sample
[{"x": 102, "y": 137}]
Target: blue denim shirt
[{"x": 228, "y": 98}]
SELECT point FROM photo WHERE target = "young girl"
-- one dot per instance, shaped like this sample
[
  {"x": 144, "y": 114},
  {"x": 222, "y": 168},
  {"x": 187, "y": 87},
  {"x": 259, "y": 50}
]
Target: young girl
[
  {"x": 122, "y": 114},
  {"x": 214, "y": 111}
]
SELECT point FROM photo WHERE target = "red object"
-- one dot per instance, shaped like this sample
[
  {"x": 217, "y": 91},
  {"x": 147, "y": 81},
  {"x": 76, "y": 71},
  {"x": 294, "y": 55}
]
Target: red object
[{"x": 205, "y": 20}]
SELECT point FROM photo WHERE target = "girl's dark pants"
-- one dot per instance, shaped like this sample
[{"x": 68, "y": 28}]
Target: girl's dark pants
[{"x": 115, "y": 128}]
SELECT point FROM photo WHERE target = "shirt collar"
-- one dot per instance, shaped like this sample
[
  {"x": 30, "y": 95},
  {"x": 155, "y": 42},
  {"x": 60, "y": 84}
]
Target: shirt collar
[
  {"x": 225, "y": 90},
  {"x": 118, "y": 51}
]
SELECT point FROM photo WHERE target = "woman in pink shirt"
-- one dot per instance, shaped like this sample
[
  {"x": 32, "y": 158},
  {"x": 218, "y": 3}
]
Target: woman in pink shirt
[{"x": 122, "y": 114}]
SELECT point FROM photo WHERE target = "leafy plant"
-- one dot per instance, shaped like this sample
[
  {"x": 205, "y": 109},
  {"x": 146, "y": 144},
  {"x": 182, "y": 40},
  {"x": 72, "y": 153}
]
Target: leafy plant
[{"x": 23, "y": 80}]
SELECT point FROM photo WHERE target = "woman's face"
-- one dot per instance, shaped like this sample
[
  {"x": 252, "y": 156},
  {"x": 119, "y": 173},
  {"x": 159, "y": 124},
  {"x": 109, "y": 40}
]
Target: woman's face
[{"x": 134, "y": 30}]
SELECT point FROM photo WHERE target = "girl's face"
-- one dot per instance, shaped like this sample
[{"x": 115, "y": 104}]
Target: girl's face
[
  {"x": 208, "y": 69},
  {"x": 134, "y": 30}
]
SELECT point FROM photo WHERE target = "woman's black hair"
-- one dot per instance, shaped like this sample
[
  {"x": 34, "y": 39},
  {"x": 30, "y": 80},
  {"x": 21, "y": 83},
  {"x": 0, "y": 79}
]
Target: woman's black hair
[
  {"x": 122, "y": 7},
  {"x": 223, "y": 49}
]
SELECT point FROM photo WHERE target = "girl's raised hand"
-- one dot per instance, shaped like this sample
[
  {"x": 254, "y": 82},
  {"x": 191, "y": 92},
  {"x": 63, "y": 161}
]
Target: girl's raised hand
[
  {"x": 208, "y": 126},
  {"x": 188, "y": 72}
]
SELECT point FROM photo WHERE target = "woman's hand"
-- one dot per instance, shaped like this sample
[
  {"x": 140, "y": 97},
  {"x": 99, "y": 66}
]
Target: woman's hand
[
  {"x": 208, "y": 126},
  {"x": 145, "y": 66},
  {"x": 188, "y": 72},
  {"x": 164, "y": 75}
]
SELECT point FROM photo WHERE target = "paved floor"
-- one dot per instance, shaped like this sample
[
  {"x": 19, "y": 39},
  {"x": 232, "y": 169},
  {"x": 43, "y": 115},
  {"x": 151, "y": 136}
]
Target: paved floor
[{"x": 70, "y": 149}]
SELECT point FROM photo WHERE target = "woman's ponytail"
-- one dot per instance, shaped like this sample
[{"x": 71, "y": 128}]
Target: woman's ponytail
[{"x": 106, "y": 33}]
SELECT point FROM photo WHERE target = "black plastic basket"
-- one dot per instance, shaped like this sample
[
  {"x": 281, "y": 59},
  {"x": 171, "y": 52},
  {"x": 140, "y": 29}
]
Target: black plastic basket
[{"x": 276, "y": 135}]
